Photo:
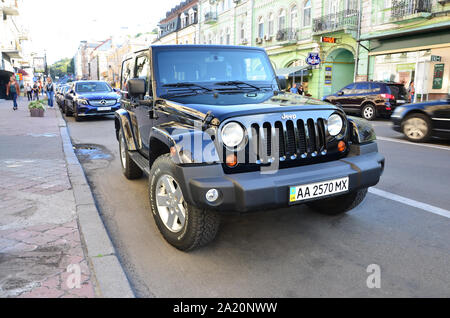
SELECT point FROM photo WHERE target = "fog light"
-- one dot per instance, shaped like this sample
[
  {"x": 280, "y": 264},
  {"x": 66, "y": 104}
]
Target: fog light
[
  {"x": 231, "y": 160},
  {"x": 212, "y": 195},
  {"x": 341, "y": 146}
]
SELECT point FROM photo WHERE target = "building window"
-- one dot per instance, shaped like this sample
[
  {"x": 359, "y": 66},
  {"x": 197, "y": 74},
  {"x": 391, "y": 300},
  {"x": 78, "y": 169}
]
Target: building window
[
  {"x": 228, "y": 41},
  {"x": 210, "y": 38},
  {"x": 221, "y": 37},
  {"x": 281, "y": 20},
  {"x": 294, "y": 17},
  {"x": 242, "y": 28},
  {"x": 183, "y": 20},
  {"x": 307, "y": 13},
  {"x": 271, "y": 24},
  {"x": 260, "y": 27}
]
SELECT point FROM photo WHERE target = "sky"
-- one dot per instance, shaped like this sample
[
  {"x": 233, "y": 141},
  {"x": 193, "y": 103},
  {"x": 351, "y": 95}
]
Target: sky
[{"x": 58, "y": 26}]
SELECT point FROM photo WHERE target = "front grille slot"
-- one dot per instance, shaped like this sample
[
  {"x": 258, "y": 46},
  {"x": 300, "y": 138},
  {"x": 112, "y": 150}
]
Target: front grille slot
[{"x": 292, "y": 139}]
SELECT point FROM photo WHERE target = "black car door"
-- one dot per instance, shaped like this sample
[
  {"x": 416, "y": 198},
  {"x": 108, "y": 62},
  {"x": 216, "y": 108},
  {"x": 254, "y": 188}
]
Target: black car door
[
  {"x": 143, "y": 105},
  {"x": 441, "y": 117},
  {"x": 345, "y": 96},
  {"x": 70, "y": 96}
]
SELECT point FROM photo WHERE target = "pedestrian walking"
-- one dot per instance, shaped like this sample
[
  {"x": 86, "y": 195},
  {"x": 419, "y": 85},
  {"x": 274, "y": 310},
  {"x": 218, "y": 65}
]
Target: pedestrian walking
[
  {"x": 36, "y": 91},
  {"x": 13, "y": 90},
  {"x": 411, "y": 91},
  {"x": 50, "y": 90},
  {"x": 29, "y": 91}
]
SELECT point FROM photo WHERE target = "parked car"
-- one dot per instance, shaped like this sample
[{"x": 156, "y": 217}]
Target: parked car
[
  {"x": 370, "y": 99},
  {"x": 59, "y": 96},
  {"x": 421, "y": 121},
  {"x": 219, "y": 135},
  {"x": 90, "y": 98}
]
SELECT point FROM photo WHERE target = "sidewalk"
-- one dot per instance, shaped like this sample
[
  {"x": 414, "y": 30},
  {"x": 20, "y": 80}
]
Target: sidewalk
[{"x": 43, "y": 252}]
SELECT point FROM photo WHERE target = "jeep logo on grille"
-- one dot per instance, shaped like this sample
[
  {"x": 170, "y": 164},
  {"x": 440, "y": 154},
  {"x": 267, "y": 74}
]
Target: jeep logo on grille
[
  {"x": 289, "y": 116},
  {"x": 103, "y": 102}
]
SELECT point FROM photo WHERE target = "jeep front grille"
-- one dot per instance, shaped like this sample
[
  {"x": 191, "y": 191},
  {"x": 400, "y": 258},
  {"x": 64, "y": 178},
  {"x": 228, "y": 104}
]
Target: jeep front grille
[{"x": 287, "y": 140}]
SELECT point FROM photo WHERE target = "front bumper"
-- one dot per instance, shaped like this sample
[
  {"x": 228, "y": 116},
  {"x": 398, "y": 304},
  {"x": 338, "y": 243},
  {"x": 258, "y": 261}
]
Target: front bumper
[
  {"x": 244, "y": 192},
  {"x": 88, "y": 110}
]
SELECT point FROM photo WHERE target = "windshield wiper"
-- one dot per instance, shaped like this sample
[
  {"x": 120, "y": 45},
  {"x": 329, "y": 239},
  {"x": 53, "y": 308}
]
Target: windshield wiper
[
  {"x": 237, "y": 84},
  {"x": 188, "y": 85}
]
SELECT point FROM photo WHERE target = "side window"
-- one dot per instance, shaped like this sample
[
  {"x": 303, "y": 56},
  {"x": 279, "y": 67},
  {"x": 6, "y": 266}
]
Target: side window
[
  {"x": 348, "y": 89},
  {"x": 362, "y": 88},
  {"x": 375, "y": 88},
  {"x": 127, "y": 73},
  {"x": 143, "y": 67}
]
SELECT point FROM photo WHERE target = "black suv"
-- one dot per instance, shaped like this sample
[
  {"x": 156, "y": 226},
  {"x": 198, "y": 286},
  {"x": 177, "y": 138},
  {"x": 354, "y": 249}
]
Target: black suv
[
  {"x": 214, "y": 132},
  {"x": 370, "y": 99}
]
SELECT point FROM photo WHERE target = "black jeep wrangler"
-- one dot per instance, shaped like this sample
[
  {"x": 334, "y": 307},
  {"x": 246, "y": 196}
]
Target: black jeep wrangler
[{"x": 214, "y": 132}]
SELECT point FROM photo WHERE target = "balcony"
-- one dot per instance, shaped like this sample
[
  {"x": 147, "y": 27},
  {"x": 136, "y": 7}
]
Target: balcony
[
  {"x": 409, "y": 10},
  {"x": 289, "y": 35},
  {"x": 346, "y": 21},
  {"x": 210, "y": 17},
  {"x": 9, "y": 8}
]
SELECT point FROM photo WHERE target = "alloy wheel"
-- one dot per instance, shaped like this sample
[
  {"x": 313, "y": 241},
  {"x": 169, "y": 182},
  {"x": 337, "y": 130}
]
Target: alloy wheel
[
  {"x": 415, "y": 128},
  {"x": 170, "y": 203},
  {"x": 368, "y": 112}
]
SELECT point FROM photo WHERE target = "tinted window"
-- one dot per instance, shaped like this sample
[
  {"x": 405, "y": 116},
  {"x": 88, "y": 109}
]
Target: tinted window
[
  {"x": 142, "y": 67},
  {"x": 213, "y": 65},
  {"x": 362, "y": 86},
  {"x": 398, "y": 90},
  {"x": 92, "y": 87},
  {"x": 348, "y": 89},
  {"x": 127, "y": 70}
]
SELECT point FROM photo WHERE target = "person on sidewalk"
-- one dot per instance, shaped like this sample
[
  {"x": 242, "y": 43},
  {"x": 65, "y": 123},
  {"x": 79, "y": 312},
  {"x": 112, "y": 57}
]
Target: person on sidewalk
[
  {"x": 29, "y": 91},
  {"x": 13, "y": 90},
  {"x": 36, "y": 91},
  {"x": 412, "y": 91},
  {"x": 50, "y": 90}
]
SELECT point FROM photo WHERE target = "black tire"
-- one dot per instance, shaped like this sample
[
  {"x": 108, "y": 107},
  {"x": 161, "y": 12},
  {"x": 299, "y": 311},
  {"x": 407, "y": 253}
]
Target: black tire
[
  {"x": 67, "y": 111},
  {"x": 200, "y": 227},
  {"x": 129, "y": 168},
  {"x": 425, "y": 119},
  {"x": 369, "y": 112},
  {"x": 340, "y": 204},
  {"x": 75, "y": 114}
]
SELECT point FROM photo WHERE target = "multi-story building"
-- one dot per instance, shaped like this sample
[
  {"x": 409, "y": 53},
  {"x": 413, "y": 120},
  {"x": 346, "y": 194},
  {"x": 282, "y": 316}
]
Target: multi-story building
[
  {"x": 98, "y": 64},
  {"x": 405, "y": 41},
  {"x": 12, "y": 35},
  {"x": 82, "y": 58},
  {"x": 180, "y": 24},
  {"x": 120, "y": 50},
  {"x": 396, "y": 40}
]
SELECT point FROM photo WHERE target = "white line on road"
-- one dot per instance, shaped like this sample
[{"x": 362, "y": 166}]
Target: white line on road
[
  {"x": 412, "y": 143},
  {"x": 410, "y": 202}
]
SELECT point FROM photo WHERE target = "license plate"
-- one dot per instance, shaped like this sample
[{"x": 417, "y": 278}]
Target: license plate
[
  {"x": 103, "y": 108},
  {"x": 317, "y": 190},
  {"x": 401, "y": 101}
]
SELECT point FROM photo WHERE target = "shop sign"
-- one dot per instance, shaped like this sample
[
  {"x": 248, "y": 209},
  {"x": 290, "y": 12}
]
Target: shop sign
[
  {"x": 328, "y": 39},
  {"x": 328, "y": 75},
  {"x": 438, "y": 76},
  {"x": 436, "y": 58},
  {"x": 313, "y": 59}
]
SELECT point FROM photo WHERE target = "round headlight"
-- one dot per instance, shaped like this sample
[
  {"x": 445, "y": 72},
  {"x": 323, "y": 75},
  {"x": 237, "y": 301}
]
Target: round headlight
[
  {"x": 232, "y": 134},
  {"x": 335, "y": 124}
]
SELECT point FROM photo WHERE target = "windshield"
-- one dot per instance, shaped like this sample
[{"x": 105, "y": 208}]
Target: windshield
[
  {"x": 210, "y": 66},
  {"x": 93, "y": 87}
]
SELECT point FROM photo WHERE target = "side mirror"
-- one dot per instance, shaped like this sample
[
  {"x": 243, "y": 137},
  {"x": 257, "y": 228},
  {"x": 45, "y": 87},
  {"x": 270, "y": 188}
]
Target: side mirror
[
  {"x": 282, "y": 83},
  {"x": 340, "y": 93},
  {"x": 136, "y": 86}
]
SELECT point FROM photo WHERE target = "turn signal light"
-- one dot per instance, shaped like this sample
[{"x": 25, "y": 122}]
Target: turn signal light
[
  {"x": 231, "y": 160},
  {"x": 342, "y": 146}
]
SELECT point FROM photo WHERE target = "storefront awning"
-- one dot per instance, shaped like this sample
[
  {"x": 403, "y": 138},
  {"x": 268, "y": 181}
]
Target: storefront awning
[{"x": 296, "y": 71}]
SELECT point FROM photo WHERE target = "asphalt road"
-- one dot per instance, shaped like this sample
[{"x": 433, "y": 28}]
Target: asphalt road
[{"x": 289, "y": 252}]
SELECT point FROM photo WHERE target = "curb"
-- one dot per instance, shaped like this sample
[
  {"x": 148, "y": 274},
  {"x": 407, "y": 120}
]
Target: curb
[{"x": 110, "y": 276}]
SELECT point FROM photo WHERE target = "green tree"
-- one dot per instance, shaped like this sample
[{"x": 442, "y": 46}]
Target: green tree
[{"x": 62, "y": 67}]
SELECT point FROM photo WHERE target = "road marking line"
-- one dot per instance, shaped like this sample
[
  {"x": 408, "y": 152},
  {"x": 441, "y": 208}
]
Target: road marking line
[
  {"x": 412, "y": 143},
  {"x": 410, "y": 202}
]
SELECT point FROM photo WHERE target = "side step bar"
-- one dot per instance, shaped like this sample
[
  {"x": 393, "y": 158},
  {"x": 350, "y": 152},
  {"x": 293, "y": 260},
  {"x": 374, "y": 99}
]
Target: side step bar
[{"x": 141, "y": 161}]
